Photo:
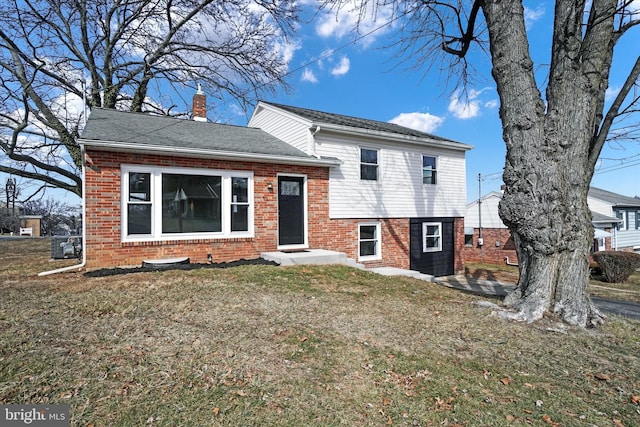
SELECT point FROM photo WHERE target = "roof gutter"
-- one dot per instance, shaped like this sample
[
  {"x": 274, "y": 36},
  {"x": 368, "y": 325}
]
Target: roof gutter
[
  {"x": 325, "y": 127},
  {"x": 214, "y": 154},
  {"x": 84, "y": 227}
]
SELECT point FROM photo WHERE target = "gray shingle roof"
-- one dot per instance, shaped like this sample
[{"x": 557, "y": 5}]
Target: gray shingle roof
[
  {"x": 613, "y": 198},
  {"x": 600, "y": 218},
  {"x": 319, "y": 117},
  {"x": 117, "y": 128}
]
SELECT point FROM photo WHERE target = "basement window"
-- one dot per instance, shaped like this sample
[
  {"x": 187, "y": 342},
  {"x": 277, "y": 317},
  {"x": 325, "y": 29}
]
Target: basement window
[{"x": 369, "y": 241}]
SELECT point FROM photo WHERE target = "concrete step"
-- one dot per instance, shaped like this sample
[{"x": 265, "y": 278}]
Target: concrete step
[{"x": 307, "y": 256}]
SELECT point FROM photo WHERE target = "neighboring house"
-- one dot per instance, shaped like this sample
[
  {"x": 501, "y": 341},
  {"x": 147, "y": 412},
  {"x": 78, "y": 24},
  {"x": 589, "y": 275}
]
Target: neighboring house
[
  {"x": 626, "y": 236},
  {"x": 487, "y": 238},
  {"x": 159, "y": 187}
]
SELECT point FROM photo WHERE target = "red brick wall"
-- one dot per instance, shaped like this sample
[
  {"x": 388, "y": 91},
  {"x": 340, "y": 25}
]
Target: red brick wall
[
  {"x": 104, "y": 247},
  {"x": 491, "y": 252},
  {"x": 103, "y": 243}
]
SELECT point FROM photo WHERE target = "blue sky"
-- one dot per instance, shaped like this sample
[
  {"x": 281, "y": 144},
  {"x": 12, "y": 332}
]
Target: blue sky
[
  {"x": 331, "y": 71},
  {"x": 363, "y": 79}
]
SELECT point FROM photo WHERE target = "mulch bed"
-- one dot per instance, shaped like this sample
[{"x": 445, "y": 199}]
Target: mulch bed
[{"x": 116, "y": 271}]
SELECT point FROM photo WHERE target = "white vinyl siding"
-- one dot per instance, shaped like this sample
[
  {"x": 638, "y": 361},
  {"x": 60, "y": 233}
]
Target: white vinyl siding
[
  {"x": 399, "y": 191},
  {"x": 489, "y": 216},
  {"x": 286, "y": 127}
]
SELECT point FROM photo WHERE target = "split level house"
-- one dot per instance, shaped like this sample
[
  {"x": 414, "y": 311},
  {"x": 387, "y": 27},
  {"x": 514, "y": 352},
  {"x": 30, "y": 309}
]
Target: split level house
[
  {"x": 293, "y": 180},
  {"x": 615, "y": 218}
]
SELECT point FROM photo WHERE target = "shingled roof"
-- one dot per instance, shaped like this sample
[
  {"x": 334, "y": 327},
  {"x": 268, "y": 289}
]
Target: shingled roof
[
  {"x": 117, "y": 130},
  {"x": 321, "y": 117},
  {"x": 613, "y": 198}
]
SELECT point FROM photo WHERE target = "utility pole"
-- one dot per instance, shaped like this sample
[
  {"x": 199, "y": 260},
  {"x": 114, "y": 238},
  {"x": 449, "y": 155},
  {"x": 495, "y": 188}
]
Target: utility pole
[{"x": 480, "y": 239}]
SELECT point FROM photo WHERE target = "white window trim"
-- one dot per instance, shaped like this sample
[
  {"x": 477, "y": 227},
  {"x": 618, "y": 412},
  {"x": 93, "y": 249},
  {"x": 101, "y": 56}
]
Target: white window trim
[
  {"x": 156, "y": 202},
  {"x": 623, "y": 226},
  {"x": 422, "y": 167},
  {"x": 378, "y": 255},
  {"x": 377, "y": 164},
  {"x": 424, "y": 237}
]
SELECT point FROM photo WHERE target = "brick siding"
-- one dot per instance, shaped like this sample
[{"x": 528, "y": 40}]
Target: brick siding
[
  {"x": 498, "y": 245},
  {"x": 104, "y": 247}
]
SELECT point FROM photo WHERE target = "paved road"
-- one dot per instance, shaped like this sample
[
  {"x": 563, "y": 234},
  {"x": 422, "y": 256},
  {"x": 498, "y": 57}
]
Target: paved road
[{"x": 487, "y": 287}]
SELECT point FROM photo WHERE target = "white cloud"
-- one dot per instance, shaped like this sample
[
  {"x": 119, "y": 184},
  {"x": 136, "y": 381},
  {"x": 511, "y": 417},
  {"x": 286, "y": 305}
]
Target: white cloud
[
  {"x": 492, "y": 103},
  {"x": 368, "y": 19},
  {"x": 611, "y": 93},
  {"x": 423, "y": 122},
  {"x": 466, "y": 108},
  {"x": 309, "y": 76},
  {"x": 342, "y": 68},
  {"x": 532, "y": 15}
]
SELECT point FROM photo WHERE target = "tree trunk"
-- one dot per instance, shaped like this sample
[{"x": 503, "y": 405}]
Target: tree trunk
[{"x": 549, "y": 144}]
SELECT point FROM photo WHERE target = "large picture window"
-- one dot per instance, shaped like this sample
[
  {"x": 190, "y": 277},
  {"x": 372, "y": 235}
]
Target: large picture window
[
  {"x": 184, "y": 203},
  {"x": 369, "y": 241}
]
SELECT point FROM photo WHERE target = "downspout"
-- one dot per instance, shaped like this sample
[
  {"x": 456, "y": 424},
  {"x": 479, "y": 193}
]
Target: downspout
[
  {"x": 84, "y": 226},
  {"x": 313, "y": 140}
]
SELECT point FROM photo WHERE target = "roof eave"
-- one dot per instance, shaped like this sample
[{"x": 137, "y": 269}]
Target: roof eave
[
  {"x": 208, "y": 154},
  {"x": 348, "y": 130}
]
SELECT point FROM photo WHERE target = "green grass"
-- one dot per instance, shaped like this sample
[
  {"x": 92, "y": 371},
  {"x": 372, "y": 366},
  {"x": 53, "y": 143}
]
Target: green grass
[{"x": 306, "y": 345}]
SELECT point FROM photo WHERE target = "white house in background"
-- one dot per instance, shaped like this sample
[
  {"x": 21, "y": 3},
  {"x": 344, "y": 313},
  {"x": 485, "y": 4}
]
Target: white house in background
[
  {"x": 487, "y": 238},
  {"x": 405, "y": 186},
  {"x": 626, "y": 236}
]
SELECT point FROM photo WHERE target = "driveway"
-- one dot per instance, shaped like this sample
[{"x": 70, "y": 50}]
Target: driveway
[{"x": 493, "y": 288}]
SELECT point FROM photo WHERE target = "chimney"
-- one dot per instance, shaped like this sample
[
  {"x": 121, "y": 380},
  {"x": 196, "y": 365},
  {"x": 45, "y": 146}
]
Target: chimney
[{"x": 199, "y": 112}]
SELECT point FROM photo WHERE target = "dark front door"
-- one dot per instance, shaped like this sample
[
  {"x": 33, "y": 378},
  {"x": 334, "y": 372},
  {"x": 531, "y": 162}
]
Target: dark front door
[{"x": 290, "y": 210}]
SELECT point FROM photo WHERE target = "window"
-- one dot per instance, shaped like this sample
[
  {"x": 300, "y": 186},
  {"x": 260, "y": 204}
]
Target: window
[
  {"x": 621, "y": 215},
  {"x": 431, "y": 237},
  {"x": 184, "y": 203},
  {"x": 368, "y": 164},
  {"x": 369, "y": 241},
  {"x": 428, "y": 170},
  {"x": 468, "y": 239},
  {"x": 139, "y": 204}
]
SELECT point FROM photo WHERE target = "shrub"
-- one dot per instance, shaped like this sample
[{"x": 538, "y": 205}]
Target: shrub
[{"x": 617, "y": 266}]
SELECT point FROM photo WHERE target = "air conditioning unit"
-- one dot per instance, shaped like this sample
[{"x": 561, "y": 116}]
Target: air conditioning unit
[{"x": 63, "y": 247}]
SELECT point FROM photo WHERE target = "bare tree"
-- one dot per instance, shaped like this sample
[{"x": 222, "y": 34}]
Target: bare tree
[
  {"x": 57, "y": 56},
  {"x": 554, "y": 129}
]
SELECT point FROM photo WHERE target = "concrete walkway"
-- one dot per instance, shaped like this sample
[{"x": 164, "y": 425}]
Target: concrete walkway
[{"x": 493, "y": 288}]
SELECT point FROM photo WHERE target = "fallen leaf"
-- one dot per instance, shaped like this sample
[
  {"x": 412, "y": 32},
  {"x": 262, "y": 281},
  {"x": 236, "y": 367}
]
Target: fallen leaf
[
  {"x": 216, "y": 411},
  {"x": 303, "y": 339},
  {"x": 529, "y": 385},
  {"x": 486, "y": 374},
  {"x": 528, "y": 411},
  {"x": 506, "y": 381},
  {"x": 386, "y": 401},
  {"x": 635, "y": 399},
  {"x": 618, "y": 423},
  {"x": 511, "y": 418},
  {"x": 602, "y": 377},
  {"x": 547, "y": 419}
]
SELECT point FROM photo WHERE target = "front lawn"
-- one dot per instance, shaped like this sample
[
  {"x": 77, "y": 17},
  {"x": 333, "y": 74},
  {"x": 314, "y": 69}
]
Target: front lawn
[{"x": 292, "y": 346}]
